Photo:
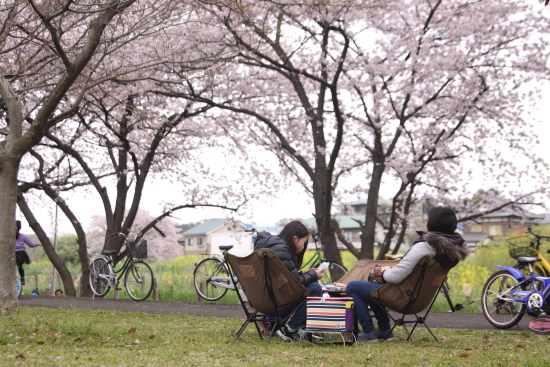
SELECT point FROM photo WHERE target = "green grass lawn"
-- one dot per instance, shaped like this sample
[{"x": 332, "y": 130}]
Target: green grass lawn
[{"x": 75, "y": 337}]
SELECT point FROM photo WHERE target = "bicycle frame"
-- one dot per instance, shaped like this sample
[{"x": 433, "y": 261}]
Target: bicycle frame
[
  {"x": 535, "y": 300},
  {"x": 225, "y": 282},
  {"x": 543, "y": 264},
  {"x": 114, "y": 279}
]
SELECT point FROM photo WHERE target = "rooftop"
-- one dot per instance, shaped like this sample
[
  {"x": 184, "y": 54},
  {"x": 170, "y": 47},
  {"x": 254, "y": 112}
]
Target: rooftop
[{"x": 204, "y": 228}]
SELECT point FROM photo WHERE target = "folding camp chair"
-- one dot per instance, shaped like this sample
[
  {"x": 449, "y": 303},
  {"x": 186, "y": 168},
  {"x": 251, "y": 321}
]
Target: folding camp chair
[
  {"x": 362, "y": 269},
  {"x": 270, "y": 287},
  {"x": 416, "y": 293}
]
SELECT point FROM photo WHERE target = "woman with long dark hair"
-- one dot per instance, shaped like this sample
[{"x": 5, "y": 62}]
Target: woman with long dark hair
[
  {"x": 290, "y": 246},
  {"x": 21, "y": 256}
]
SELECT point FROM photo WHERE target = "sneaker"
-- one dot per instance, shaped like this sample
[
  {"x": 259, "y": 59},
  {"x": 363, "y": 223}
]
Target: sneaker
[
  {"x": 370, "y": 337},
  {"x": 285, "y": 334},
  {"x": 385, "y": 335}
]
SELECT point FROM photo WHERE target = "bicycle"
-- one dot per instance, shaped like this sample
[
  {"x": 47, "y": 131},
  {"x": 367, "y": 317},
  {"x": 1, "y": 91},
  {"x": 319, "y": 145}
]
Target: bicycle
[
  {"x": 508, "y": 294},
  {"x": 522, "y": 246},
  {"x": 211, "y": 276},
  {"x": 334, "y": 272},
  {"x": 138, "y": 276},
  {"x": 212, "y": 279}
]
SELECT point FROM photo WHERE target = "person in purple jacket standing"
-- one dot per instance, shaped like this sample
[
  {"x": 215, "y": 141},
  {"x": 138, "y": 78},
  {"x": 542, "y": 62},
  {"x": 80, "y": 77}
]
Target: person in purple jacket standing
[{"x": 21, "y": 256}]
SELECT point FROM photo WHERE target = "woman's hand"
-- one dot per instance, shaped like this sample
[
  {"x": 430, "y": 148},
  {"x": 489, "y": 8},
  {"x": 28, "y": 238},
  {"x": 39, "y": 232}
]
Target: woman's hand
[{"x": 320, "y": 273}]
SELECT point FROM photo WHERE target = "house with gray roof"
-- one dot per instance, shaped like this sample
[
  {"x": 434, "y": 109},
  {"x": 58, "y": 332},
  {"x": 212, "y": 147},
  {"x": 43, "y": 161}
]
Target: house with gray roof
[
  {"x": 206, "y": 237},
  {"x": 502, "y": 222}
]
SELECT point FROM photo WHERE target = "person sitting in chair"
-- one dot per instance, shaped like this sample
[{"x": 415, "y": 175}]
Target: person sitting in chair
[
  {"x": 289, "y": 246},
  {"x": 438, "y": 240}
]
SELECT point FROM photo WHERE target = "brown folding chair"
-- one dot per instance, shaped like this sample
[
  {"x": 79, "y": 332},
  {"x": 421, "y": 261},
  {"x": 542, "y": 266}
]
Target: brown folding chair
[
  {"x": 269, "y": 287},
  {"x": 362, "y": 268},
  {"x": 416, "y": 293}
]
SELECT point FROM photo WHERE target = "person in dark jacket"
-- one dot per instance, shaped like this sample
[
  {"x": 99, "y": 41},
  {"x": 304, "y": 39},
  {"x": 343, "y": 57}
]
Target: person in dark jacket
[
  {"x": 290, "y": 246},
  {"x": 439, "y": 240}
]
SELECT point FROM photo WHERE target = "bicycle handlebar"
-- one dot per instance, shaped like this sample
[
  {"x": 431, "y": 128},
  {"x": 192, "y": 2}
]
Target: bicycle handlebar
[{"x": 539, "y": 237}]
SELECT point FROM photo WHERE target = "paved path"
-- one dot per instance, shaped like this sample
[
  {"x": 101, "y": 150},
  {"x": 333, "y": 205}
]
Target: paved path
[{"x": 454, "y": 320}]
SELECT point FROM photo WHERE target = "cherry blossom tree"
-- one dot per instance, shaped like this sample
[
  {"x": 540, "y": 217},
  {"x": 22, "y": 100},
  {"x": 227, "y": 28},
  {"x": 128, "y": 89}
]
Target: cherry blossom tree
[
  {"x": 442, "y": 84},
  {"x": 162, "y": 241},
  {"x": 280, "y": 88},
  {"x": 52, "y": 54}
]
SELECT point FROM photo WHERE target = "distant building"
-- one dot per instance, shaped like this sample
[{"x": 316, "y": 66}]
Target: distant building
[
  {"x": 351, "y": 215},
  {"x": 206, "y": 237},
  {"x": 475, "y": 239},
  {"x": 502, "y": 222}
]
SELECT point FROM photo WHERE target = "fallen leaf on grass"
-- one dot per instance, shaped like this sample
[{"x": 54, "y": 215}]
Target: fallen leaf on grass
[
  {"x": 485, "y": 336},
  {"x": 151, "y": 336},
  {"x": 20, "y": 357},
  {"x": 468, "y": 349},
  {"x": 520, "y": 346},
  {"x": 464, "y": 355},
  {"x": 131, "y": 331},
  {"x": 39, "y": 343},
  {"x": 137, "y": 341},
  {"x": 525, "y": 335}
]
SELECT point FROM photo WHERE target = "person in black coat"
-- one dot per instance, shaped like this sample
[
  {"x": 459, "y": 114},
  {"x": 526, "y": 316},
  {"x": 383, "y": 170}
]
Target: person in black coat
[{"x": 290, "y": 246}]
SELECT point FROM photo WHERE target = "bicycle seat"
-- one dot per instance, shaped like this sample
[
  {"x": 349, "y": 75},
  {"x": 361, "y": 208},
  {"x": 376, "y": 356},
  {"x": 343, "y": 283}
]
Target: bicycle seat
[
  {"x": 226, "y": 248},
  {"x": 109, "y": 252},
  {"x": 528, "y": 259}
]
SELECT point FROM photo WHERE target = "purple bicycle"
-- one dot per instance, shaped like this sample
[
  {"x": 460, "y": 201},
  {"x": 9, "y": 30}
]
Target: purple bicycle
[{"x": 508, "y": 294}]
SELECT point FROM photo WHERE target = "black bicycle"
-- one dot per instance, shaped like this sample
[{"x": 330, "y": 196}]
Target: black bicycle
[{"x": 138, "y": 276}]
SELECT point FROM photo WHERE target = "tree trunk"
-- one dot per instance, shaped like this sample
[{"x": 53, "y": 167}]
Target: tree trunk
[
  {"x": 59, "y": 265},
  {"x": 8, "y": 182},
  {"x": 323, "y": 200},
  {"x": 368, "y": 229}
]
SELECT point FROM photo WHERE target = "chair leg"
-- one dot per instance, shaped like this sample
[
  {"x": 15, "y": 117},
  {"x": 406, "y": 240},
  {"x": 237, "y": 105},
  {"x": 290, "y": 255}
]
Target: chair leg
[
  {"x": 259, "y": 329},
  {"x": 430, "y": 330},
  {"x": 249, "y": 318}
]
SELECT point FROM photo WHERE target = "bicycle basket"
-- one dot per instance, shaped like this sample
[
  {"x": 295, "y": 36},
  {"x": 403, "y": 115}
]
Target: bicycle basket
[
  {"x": 139, "y": 251},
  {"x": 521, "y": 246}
]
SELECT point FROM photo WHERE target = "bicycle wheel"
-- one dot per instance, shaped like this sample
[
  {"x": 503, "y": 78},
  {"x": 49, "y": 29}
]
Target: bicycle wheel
[
  {"x": 498, "y": 306},
  {"x": 334, "y": 273},
  {"x": 139, "y": 280},
  {"x": 100, "y": 285},
  {"x": 208, "y": 275},
  {"x": 18, "y": 287}
]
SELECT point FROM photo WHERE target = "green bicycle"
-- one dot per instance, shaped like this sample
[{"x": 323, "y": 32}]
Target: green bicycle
[{"x": 334, "y": 272}]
